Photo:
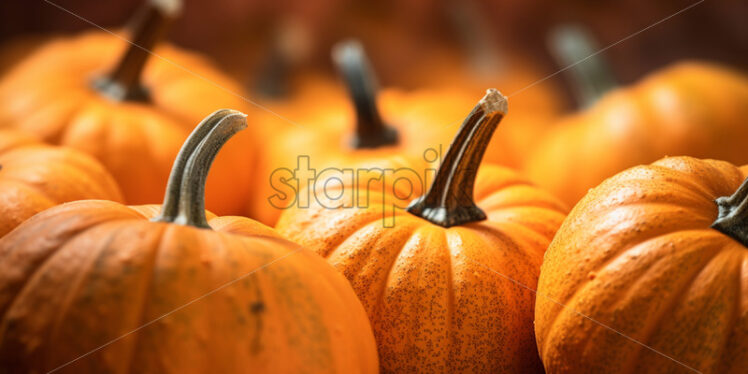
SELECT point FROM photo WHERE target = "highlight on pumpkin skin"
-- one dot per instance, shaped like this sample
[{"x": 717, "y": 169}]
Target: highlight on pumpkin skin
[
  {"x": 449, "y": 201},
  {"x": 356, "y": 71}
]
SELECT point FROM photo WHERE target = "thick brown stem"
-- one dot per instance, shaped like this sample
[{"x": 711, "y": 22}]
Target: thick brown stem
[
  {"x": 184, "y": 201},
  {"x": 574, "y": 49},
  {"x": 149, "y": 27},
  {"x": 371, "y": 131},
  {"x": 449, "y": 201},
  {"x": 732, "y": 218}
]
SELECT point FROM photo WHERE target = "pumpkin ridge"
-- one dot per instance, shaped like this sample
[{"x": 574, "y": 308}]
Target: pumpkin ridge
[
  {"x": 391, "y": 267},
  {"x": 334, "y": 247},
  {"x": 597, "y": 269},
  {"x": 735, "y": 316},
  {"x": 684, "y": 182},
  {"x": 535, "y": 232},
  {"x": 649, "y": 330},
  {"x": 34, "y": 273},
  {"x": 72, "y": 291},
  {"x": 148, "y": 290}
]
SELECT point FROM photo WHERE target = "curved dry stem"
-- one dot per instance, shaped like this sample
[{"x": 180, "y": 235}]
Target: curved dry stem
[
  {"x": 184, "y": 200},
  {"x": 449, "y": 201}
]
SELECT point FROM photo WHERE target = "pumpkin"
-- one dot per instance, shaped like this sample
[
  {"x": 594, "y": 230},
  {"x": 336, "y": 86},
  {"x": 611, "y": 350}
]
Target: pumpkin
[
  {"x": 691, "y": 108},
  {"x": 648, "y": 274},
  {"x": 130, "y": 113},
  {"x": 445, "y": 282},
  {"x": 94, "y": 286},
  {"x": 35, "y": 176},
  {"x": 411, "y": 127}
]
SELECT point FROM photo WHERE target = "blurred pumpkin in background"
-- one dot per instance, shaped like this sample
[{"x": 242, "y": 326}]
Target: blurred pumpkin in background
[
  {"x": 35, "y": 176},
  {"x": 691, "y": 108},
  {"x": 129, "y": 109},
  {"x": 649, "y": 274},
  {"x": 447, "y": 283},
  {"x": 178, "y": 292}
]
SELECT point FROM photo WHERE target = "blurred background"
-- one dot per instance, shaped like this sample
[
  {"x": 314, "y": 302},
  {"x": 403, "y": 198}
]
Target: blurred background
[{"x": 268, "y": 45}]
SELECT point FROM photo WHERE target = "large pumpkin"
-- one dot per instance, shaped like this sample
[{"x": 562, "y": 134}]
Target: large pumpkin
[
  {"x": 448, "y": 284},
  {"x": 649, "y": 274},
  {"x": 130, "y": 112},
  {"x": 35, "y": 176},
  {"x": 94, "y": 286},
  {"x": 691, "y": 108}
]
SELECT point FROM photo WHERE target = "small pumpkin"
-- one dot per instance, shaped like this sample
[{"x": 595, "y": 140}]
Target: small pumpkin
[
  {"x": 690, "y": 108},
  {"x": 445, "y": 283},
  {"x": 130, "y": 112},
  {"x": 94, "y": 286},
  {"x": 648, "y": 274},
  {"x": 35, "y": 176}
]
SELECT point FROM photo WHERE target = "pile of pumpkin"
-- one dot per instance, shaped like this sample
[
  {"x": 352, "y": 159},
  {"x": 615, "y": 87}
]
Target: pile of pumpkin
[{"x": 484, "y": 272}]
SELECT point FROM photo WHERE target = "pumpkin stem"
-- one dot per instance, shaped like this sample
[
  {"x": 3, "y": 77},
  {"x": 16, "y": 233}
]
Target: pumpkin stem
[
  {"x": 732, "y": 218},
  {"x": 574, "y": 48},
  {"x": 184, "y": 201},
  {"x": 449, "y": 201},
  {"x": 149, "y": 27},
  {"x": 354, "y": 67}
]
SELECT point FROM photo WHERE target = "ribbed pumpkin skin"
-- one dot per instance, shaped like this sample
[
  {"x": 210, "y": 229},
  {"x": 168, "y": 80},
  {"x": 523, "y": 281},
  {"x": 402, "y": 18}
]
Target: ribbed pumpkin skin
[
  {"x": 79, "y": 275},
  {"x": 694, "y": 109},
  {"x": 434, "y": 302},
  {"x": 49, "y": 94},
  {"x": 35, "y": 176},
  {"x": 637, "y": 254}
]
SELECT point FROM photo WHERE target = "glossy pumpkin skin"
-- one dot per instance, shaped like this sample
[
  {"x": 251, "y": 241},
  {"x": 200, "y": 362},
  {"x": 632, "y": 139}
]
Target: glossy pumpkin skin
[
  {"x": 637, "y": 254},
  {"x": 50, "y": 95},
  {"x": 692, "y": 108},
  {"x": 438, "y": 298},
  {"x": 35, "y": 176}
]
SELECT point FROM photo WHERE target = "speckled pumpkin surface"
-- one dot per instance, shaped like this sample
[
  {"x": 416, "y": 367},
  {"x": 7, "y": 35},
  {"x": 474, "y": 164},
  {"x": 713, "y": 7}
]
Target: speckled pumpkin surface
[
  {"x": 637, "y": 255},
  {"x": 35, "y": 176},
  {"x": 442, "y": 300}
]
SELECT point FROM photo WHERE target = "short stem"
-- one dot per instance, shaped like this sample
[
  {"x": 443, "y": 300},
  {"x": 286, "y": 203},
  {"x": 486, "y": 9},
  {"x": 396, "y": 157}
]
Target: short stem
[
  {"x": 732, "y": 218},
  {"x": 371, "y": 131},
  {"x": 449, "y": 201},
  {"x": 149, "y": 27},
  {"x": 184, "y": 201},
  {"x": 574, "y": 49}
]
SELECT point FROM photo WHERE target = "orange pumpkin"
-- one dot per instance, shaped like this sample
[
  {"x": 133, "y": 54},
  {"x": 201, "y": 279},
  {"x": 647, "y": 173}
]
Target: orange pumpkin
[
  {"x": 94, "y": 286},
  {"x": 412, "y": 127},
  {"x": 444, "y": 284},
  {"x": 34, "y": 177},
  {"x": 692, "y": 108},
  {"x": 648, "y": 274},
  {"x": 131, "y": 114}
]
